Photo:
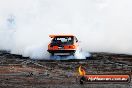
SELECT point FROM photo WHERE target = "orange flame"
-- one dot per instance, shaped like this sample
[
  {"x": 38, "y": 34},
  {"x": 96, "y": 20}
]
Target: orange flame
[{"x": 81, "y": 71}]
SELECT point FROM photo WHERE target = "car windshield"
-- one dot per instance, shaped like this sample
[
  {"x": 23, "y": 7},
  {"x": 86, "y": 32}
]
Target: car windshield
[{"x": 62, "y": 40}]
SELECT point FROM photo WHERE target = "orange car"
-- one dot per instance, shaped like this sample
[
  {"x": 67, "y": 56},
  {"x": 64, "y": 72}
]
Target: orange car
[{"x": 63, "y": 44}]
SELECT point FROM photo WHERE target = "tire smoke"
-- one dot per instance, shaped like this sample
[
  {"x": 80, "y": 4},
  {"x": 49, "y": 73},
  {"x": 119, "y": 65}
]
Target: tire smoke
[{"x": 101, "y": 25}]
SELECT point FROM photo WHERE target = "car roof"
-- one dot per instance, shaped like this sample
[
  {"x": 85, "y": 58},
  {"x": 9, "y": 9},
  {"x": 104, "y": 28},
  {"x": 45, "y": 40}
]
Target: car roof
[{"x": 52, "y": 36}]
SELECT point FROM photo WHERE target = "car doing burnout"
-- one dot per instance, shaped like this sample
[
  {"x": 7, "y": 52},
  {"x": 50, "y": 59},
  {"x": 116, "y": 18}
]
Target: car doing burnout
[{"x": 63, "y": 44}]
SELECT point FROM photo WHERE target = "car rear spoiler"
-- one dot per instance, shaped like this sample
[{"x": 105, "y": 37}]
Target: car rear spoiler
[{"x": 52, "y": 36}]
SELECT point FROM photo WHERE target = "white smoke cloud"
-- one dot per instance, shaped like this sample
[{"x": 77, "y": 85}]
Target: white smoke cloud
[{"x": 100, "y": 25}]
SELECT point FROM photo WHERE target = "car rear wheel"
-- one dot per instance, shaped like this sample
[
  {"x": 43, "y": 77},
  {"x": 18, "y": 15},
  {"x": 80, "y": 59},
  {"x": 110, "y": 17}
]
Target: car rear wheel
[
  {"x": 52, "y": 54},
  {"x": 72, "y": 53}
]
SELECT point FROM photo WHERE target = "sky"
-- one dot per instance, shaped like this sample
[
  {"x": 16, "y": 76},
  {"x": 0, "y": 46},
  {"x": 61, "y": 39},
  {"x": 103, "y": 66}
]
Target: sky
[{"x": 99, "y": 25}]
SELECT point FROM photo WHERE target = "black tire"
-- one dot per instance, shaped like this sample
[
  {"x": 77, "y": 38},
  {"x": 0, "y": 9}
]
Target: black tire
[
  {"x": 72, "y": 54},
  {"x": 52, "y": 54}
]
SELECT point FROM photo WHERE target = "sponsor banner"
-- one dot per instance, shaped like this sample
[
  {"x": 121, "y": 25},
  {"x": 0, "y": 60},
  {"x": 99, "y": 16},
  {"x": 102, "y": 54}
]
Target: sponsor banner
[{"x": 106, "y": 78}]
